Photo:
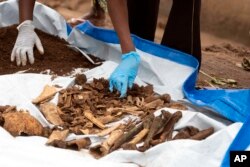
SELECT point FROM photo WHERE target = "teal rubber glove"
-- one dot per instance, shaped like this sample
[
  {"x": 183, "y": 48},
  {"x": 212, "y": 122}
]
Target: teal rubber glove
[{"x": 124, "y": 75}]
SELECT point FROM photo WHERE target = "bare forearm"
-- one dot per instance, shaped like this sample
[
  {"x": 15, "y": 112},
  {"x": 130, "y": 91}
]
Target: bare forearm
[
  {"x": 26, "y": 8},
  {"x": 119, "y": 16}
]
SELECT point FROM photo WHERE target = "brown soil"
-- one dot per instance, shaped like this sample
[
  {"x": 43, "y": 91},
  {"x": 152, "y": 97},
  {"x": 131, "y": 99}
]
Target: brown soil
[
  {"x": 222, "y": 62},
  {"x": 60, "y": 59},
  {"x": 224, "y": 26}
]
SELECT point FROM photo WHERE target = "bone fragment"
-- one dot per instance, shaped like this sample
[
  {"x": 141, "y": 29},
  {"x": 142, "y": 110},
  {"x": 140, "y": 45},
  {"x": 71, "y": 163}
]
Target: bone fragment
[
  {"x": 57, "y": 135},
  {"x": 88, "y": 114},
  {"x": 129, "y": 135},
  {"x": 50, "y": 111},
  {"x": 47, "y": 93},
  {"x": 154, "y": 104},
  {"x": 108, "y": 130},
  {"x": 104, "y": 148},
  {"x": 79, "y": 143},
  {"x": 203, "y": 134}
]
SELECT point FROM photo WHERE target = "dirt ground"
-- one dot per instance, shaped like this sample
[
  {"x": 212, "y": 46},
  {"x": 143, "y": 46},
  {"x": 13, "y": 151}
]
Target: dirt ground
[
  {"x": 225, "y": 37},
  {"x": 69, "y": 59}
]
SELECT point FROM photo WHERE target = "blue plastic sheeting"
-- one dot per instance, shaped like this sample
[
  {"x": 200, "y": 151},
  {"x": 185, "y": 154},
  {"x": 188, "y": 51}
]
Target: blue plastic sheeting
[
  {"x": 232, "y": 104},
  {"x": 241, "y": 142},
  {"x": 110, "y": 36},
  {"x": 69, "y": 28}
]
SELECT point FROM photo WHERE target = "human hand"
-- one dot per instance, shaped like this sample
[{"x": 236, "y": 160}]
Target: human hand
[
  {"x": 25, "y": 42},
  {"x": 124, "y": 75}
]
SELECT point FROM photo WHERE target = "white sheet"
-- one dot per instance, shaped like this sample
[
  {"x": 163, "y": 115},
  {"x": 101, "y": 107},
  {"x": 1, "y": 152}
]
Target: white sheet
[
  {"x": 20, "y": 89},
  {"x": 166, "y": 76}
]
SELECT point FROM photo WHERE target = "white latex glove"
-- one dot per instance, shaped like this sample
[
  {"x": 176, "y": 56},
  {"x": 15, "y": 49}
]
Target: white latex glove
[{"x": 25, "y": 42}]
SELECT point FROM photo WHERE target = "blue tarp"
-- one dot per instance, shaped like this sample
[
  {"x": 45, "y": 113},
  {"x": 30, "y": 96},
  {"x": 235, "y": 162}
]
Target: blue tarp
[
  {"x": 230, "y": 103},
  {"x": 241, "y": 142},
  {"x": 233, "y": 104}
]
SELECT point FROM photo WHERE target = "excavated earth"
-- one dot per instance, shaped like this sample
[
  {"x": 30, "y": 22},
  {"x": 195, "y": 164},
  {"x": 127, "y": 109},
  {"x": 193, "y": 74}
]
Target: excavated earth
[{"x": 60, "y": 59}]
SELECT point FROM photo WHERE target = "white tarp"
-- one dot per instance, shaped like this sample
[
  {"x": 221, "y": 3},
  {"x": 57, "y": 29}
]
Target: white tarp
[
  {"x": 20, "y": 89},
  {"x": 166, "y": 76}
]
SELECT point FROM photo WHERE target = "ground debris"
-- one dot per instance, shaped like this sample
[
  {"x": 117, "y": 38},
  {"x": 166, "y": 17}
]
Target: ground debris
[{"x": 246, "y": 64}]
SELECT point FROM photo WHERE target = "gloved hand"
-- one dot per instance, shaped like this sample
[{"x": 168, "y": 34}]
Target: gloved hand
[
  {"x": 124, "y": 75},
  {"x": 25, "y": 42}
]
